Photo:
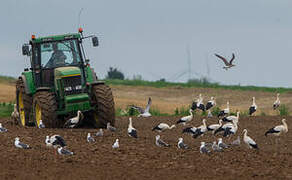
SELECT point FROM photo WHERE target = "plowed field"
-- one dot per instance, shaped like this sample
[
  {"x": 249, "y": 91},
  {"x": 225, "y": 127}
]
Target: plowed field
[{"x": 141, "y": 158}]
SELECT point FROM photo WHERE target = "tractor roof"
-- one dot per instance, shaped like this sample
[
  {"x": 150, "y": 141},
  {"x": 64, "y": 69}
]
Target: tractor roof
[{"x": 56, "y": 38}]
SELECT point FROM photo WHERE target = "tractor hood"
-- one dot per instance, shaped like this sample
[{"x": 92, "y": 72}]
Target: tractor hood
[
  {"x": 63, "y": 72},
  {"x": 67, "y": 72}
]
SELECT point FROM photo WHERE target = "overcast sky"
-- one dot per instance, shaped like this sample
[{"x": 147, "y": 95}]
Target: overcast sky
[{"x": 151, "y": 37}]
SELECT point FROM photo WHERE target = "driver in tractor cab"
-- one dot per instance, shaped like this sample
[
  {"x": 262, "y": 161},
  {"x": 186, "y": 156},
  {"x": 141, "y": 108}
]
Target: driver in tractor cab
[{"x": 58, "y": 57}]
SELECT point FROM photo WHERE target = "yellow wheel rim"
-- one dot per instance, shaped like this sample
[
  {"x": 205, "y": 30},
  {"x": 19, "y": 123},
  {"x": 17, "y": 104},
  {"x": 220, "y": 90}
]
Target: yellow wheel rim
[
  {"x": 21, "y": 109},
  {"x": 38, "y": 114}
]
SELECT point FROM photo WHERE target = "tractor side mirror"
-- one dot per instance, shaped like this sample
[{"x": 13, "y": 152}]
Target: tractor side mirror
[
  {"x": 95, "y": 41},
  {"x": 25, "y": 50}
]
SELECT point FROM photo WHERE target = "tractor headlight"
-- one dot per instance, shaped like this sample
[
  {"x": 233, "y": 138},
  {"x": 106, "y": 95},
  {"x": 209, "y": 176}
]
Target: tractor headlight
[
  {"x": 79, "y": 87},
  {"x": 68, "y": 88}
]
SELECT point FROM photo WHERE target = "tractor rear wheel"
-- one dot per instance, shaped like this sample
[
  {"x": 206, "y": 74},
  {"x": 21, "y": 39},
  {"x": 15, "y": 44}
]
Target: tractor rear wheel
[
  {"x": 102, "y": 99},
  {"x": 44, "y": 108},
  {"x": 23, "y": 103}
]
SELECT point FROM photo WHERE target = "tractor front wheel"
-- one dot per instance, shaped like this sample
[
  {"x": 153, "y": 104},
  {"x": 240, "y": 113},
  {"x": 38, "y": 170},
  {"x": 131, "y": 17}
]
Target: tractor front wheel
[
  {"x": 102, "y": 99},
  {"x": 44, "y": 108},
  {"x": 23, "y": 103}
]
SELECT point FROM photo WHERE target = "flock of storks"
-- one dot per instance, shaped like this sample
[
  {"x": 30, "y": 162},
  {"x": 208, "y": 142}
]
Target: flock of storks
[{"x": 227, "y": 124}]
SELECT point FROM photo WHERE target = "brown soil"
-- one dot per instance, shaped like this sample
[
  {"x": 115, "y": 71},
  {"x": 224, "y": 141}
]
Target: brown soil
[
  {"x": 166, "y": 100},
  {"x": 140, "y": 158}
]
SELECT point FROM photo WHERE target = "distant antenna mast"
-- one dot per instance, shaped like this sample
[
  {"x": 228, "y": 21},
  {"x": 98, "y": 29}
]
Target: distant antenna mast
[
  {"x": 189, "y": 61},
  {"x": 79, "y": 14}
]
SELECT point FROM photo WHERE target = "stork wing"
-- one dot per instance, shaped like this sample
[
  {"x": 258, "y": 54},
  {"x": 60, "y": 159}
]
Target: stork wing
[
  {"x": 141, "y": 111},
  {"x": 148, "y": 105},
  {"x": 59, "y": 141},
  {"x": 223, "y": 59},
  {"x": 233, "y": 57}
]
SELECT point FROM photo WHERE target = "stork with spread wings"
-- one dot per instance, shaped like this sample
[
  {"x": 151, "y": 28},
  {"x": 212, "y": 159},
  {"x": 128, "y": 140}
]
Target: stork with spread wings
[{"x": 227, "y": 64}]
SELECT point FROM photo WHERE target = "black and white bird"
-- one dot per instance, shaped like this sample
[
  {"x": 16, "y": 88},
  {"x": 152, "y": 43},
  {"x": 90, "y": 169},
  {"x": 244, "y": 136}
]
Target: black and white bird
[
  {"x": 41, "y": 125},
  {"x": 211, "y": 103},
  {"x": 200, "y": 130},
  {"x": 204, "y": 149},
  {"x": 99, "y": 133},
  {"x": 160, "y": 143},
  {"x": 15, "y": 114},
  {"x": 228, "y": 64},
  {"x": 162, "y": 127},
  {"x": 216, "y": 148},
  {"x": 48, "y": 142},
  {"x": 198, "y": 104},
  {"x": 57, "y": 140},
  {"x": 278, "y": 130},
  {"x": 224, "y": 111},
  {"x": 186, "y": 119},
  {"x": 236, "y": 142},
  {"x": 116, "y": 144},
  {"x": 189, "y": 130},
  {"x": 19, "y": 144},
  {"x": 231, "y": 118},
  {"x": 63, "y": 151},
  {"x": 89, "y": 138},
  {"x": 194, "y": 104},
  {"x": 181, "y": 144},
  {"x": 230, "y": 130},
  {"x": 277, "y": 102},
  {"x": 221, "y": 144},
  {"x": 144, "y": 112},
  {"x": 214, "y": 127},
  {"x": 253, "y": 107},
  {"x": 132, "y": 132},
  {"x": 110, "y": 127},
  {"x": 225, "y": 126},
  {"x": 249, "y": 141},
  {"x": 75, "y": 121},
  {"x": 2, "y": 129}
]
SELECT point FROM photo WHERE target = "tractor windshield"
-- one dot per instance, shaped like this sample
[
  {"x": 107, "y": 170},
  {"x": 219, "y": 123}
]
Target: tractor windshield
[{"x": 59, "y": 54}]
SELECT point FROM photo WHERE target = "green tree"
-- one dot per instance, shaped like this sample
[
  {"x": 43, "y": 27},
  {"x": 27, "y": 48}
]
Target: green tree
[{"x": 114, "y": 73}]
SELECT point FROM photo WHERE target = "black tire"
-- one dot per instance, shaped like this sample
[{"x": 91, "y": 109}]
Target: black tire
[
  {"x": 26, "y": 100},
  {"x": 48, "y": 105},
  {"x": 102, "y": 99}
]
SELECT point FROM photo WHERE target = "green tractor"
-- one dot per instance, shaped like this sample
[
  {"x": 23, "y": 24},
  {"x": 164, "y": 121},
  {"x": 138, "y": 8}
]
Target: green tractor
[{"x": 61, "y": 82}]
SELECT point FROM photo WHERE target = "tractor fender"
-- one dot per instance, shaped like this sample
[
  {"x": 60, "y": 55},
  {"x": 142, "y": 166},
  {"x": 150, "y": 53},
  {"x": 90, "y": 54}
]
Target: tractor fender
[
  {"x": 43, "y": 89},
  {"x": 23, "y": 78},
  {"x": 96, "y": 83}
]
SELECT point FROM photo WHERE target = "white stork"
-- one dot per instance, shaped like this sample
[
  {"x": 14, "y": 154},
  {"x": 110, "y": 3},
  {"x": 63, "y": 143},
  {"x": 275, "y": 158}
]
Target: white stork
[
  {"x": 277, "y": 102},
  {"x": 162, "y": 127},
  {"x": 253, "y": 107},
  {"x": 211, "y": 103},
  {"x": 278, "y": 130},
  {"x": 224, "y": 111},
  {"x": 132, "y": 132},
  {"x": 249, "y": 141},
  {"x": 186, "y": 119}
]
